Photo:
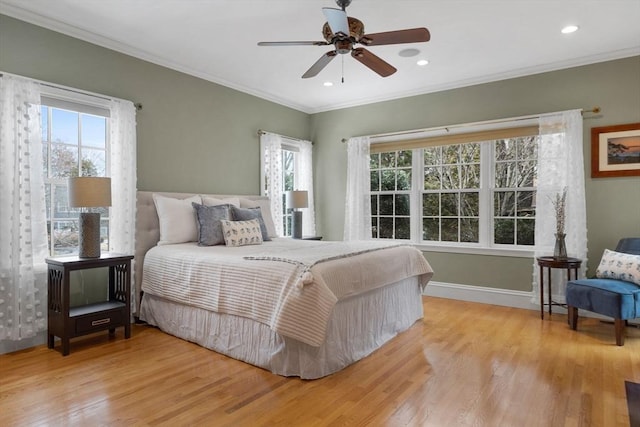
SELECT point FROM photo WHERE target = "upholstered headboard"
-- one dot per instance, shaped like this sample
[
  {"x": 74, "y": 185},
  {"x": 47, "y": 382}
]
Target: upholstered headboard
[{"x": 148, "y": 228}]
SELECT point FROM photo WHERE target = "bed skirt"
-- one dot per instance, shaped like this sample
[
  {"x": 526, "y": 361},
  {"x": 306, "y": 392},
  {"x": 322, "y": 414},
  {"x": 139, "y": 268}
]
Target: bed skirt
[{"x": 358, "y": 326}]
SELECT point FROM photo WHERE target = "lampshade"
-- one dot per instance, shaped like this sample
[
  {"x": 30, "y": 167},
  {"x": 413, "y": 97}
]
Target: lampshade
[
  {"x": 89, "y": 192},
  {"x": 297, "y": 199}
]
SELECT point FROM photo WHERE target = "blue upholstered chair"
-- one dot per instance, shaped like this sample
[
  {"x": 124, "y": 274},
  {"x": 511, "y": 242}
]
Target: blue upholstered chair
[{"x": 610, "y": 297}]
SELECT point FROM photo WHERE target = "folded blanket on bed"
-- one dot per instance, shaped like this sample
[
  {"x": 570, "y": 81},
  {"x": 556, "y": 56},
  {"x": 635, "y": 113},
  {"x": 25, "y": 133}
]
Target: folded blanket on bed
[{"x": 221, "y": 279}]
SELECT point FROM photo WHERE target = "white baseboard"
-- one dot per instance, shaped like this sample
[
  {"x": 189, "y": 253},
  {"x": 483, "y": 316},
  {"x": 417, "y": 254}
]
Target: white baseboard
[{"x": 496, "y": 296}]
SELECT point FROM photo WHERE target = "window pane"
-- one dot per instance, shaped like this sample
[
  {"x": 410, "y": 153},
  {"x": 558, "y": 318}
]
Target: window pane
[
  {"x": 64, "y": 126},
  {"x": 104, "y": 235},
  {"x": 386, "y": 205},
  {"x": 432, "y": 178},
  {"x": 402, "y": 204},
  {"x": 526, "y": 232},
  {"x": 470, "y": 153},
  {"x": 404, "y": 158},
  {"x": 504, "y": 203},
  {"x": 64, "y": 161},
  {"x": 374, "y": 227},
  {"x": 374, "y": 204},
  {"x": 451, "y": 177},
  {"x": 449, "y": 204},
  {"x": 432, "y": 156},
  {"x": 388, "y": 180},
  {"x": 431, "y": 204},
  {"x": 386, "y": 228},
  {"x": 469, "y": 230},
  {"x": 431, "y": 229},
  {"x": 470, "y": 176},
  {"x": 94, "y": 162},
  {"x": 470, "y": 204},
  {"x": 449, "y": 229},
  {"x": 61, "y": 207},
  {"x": 45, "y": 160},
  {"x": 404, "y": 179},
  {"x": 94, "y": 131},
  {"x": 503, "y": 231},
  {"x": 375, "y": 180},
  {"x": 505, "y": 176},
  {"x": 505, "y": 149},
  {"x": 526, "y": 203},
  {"x": 528, "y": 148},
  {"x": 451, "y": 154},
  {"x": 527, "y": 173},
  {"x": 374, "y": 161},
  {"x": 388, "y": 160},
  {"x": 65, "y": 237},
  {"x": 403, "y": 228}
]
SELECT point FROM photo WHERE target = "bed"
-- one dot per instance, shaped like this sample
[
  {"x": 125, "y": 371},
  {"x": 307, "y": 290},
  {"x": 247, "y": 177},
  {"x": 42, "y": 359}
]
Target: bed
[{"x": 294, "y": 307}]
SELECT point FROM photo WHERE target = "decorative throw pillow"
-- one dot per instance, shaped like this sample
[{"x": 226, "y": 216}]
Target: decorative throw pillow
[
  {"x": 239, "y": 214},
  {"x": 618, "y": 265},
  {"x": 265, "y": 209},
  {"x": 177, "y": 219},
  {"x": 209, "y": 227},
  {"x": 241, "y": 233}
]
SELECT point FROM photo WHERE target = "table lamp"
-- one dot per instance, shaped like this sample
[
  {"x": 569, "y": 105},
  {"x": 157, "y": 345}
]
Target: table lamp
[
  {"x": 89, "y": 192},
  {"x": 297, "y": 200}
]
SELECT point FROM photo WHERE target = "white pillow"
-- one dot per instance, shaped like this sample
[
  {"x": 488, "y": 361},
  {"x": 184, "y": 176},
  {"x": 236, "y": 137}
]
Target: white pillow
[
  {"x": 241, "y": 233},
  {"x": 177, "y": 219},
  {"x": 212, "y": 201},
  {"x": 265, "y": 210},
  {"x": 618, "y": 265}
]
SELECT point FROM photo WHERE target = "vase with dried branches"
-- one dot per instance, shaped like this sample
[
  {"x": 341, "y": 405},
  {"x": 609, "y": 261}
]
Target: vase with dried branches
[{"x": 559, "y": 206}]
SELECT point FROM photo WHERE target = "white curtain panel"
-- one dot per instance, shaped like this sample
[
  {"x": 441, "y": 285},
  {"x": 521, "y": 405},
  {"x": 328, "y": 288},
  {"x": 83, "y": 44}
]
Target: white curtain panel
[
  {"x": 271, "y": 148},
  {"x": 123, "y": 173},
  {"x": 357, "y": 222},
  {"x": 23, "y": 223},
  {"x": 560, "y": 166},
  {"x": 305, "y": 182}
]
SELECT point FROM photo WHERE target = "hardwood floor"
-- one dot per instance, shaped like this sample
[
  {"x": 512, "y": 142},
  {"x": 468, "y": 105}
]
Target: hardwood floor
[{"x": 464, "y": 364}]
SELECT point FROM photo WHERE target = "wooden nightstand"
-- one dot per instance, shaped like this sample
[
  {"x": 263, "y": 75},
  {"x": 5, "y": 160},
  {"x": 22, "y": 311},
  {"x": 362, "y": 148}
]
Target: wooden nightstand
[
  {"x": 68, "y": 322},
  {"x": 550, "y": 262}
]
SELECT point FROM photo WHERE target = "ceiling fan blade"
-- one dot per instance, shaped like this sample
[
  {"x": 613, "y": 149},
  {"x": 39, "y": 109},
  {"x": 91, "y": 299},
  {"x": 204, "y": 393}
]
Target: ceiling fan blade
[
  {"x": 337, "y": 20},
  {"x": 320, "y": 64},
  {"x": 293, "y": 43},
  {"x": 374, "y": 62},
  {"x": 413, "y": 35}
]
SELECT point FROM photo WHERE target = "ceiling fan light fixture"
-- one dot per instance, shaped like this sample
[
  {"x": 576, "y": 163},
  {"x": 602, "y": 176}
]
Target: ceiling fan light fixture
[{"x": 569, "y": 29}]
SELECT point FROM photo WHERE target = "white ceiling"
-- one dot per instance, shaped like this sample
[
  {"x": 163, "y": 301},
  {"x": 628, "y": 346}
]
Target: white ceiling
[{"x": 472, "y": 41}]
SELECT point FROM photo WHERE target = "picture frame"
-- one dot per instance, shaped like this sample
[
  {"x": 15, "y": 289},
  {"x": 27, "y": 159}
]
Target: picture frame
[{"x": 615, "y": 151}]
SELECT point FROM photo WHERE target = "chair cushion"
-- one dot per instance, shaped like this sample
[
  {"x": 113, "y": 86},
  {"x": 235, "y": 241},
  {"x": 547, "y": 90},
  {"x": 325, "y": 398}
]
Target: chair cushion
[{"x": 609, "y": 297}]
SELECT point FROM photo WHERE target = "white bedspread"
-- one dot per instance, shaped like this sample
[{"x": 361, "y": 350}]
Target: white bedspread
[{"x": 220, "y": 279}]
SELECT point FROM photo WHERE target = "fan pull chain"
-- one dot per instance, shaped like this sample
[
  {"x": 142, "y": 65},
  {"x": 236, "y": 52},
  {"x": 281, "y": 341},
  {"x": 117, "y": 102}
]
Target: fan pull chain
[{"x": 342, "y": 68}]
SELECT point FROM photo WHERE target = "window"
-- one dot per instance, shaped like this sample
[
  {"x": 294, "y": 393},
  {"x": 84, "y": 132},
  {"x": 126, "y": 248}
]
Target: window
[
  {"x": 475, "y": 193},
  {"x": 288, "y": 184},
  {"x": 75, "y": 142}
]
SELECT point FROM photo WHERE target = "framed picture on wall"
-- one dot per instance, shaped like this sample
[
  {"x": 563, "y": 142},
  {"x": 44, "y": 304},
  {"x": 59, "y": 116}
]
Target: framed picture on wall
[{"x": 615, "y": 151}]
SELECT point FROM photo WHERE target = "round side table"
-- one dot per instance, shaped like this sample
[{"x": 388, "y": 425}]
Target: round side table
[{"x": 550, "y": 262}]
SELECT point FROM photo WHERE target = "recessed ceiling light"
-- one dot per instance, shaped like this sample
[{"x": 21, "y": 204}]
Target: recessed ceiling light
[
  {"x": 408, "y": 53},
  {"x": 328, "y": 84},
  {"x": 422, "y": 62},
  {"x": 569, "y": 29}
]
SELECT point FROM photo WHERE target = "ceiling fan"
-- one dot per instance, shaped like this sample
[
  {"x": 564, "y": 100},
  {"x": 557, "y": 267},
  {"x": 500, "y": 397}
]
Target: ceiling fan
[{"x": 344, "y": 32}]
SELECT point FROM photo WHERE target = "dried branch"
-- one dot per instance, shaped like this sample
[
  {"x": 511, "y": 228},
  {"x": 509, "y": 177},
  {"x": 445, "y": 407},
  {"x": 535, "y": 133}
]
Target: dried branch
[{"x": 559, "y": 205}]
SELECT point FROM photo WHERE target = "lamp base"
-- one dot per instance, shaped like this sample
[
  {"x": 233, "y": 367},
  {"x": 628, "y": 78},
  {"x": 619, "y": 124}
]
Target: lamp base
[
  {"x": 89, "y": 235},
  {"x": 297, "y": 225}
]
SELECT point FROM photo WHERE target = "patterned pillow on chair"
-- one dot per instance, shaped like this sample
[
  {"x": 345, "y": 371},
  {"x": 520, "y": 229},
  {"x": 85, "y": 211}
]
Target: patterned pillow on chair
[{"x": 620, "y": 266}]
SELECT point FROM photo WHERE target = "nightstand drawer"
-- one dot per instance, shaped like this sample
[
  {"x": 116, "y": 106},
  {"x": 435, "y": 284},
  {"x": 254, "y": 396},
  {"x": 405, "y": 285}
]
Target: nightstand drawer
[{"x": 97, "y": 317}]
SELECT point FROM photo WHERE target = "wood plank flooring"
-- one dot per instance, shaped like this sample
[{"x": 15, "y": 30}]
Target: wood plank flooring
[{"x": 464, "y": 364}]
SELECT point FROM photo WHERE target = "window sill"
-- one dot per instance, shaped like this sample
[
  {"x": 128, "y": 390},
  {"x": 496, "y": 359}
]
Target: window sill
[{"x": 506, "y": 252}]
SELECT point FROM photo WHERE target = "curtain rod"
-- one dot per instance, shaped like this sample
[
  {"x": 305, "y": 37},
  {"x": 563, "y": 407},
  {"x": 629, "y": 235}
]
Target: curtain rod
[
  {"x": 262, "y": 132},
  {"x": 594, "y": 110},
  {"x": 138, "y": 105}
]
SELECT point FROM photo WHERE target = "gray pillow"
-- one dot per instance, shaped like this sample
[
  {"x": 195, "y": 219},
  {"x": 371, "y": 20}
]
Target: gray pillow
[
  {"x": 209, "y": 227},
  {"x": 239, "y": 214}
]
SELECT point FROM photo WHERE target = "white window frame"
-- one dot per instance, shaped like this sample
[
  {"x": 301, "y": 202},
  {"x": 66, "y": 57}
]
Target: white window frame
[{"x": 487, "y": 166}]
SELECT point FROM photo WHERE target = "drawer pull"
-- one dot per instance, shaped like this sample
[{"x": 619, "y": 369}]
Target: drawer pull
[{"x": 101, "y": 322}]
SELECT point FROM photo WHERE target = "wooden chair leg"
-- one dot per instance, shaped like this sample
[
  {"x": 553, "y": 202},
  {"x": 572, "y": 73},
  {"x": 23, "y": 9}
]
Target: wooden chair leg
[
  {"x": 573, "y": 317},
  {"x": 620, "y": 330}
]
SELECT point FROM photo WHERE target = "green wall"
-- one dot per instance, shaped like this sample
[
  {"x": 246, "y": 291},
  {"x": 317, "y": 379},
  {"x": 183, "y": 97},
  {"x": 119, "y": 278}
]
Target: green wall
[
  {"x": 194, "y": 135},
  {"x": 613, "y": 204}
]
